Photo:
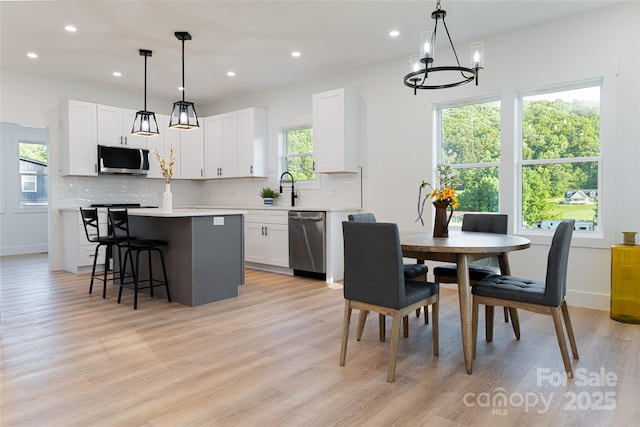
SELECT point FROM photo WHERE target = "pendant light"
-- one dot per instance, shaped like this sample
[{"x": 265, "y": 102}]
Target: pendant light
[
  {"x": 145, "y": 123},
  {"x": 183, "y": 115}
]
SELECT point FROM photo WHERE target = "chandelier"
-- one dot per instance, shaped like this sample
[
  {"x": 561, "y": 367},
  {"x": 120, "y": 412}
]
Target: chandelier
[{"x": 423, "y": 66}]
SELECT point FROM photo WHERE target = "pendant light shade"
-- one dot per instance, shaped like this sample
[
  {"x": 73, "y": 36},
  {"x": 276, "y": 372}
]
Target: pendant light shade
[
  {"x": 183, "y": 115},
  {"x": 145, "y": 123}
]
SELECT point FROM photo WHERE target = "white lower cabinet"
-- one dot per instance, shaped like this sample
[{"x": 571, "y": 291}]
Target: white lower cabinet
[
  {"x": 267, "y": 237},
  {"x": 77, "y": 251}
]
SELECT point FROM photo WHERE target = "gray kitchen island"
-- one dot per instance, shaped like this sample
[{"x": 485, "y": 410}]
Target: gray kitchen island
[{"x": 205, "y": 255}]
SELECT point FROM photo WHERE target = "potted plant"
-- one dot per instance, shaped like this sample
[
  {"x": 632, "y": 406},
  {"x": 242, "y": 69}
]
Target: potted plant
[{"x": 269, "y": 195}]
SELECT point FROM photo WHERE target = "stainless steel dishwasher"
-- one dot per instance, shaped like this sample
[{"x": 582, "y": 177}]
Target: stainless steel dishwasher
[{"x": 307, "y": 243}]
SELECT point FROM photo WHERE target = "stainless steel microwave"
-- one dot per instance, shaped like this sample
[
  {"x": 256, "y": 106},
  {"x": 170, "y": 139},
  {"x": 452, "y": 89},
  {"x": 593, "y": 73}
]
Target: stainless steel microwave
[{"x": 119, "y": 160}]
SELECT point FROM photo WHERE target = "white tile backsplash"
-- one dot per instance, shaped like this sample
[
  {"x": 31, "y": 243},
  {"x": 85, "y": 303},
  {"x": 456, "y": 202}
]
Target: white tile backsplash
[{"x": 336, "y": 191}]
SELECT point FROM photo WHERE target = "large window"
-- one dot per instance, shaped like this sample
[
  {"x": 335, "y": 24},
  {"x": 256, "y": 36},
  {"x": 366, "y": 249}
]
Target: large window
[
  {"x": 560, "y": 156},
  {"x": 33, "y": 173},
  {"x": 298, "y": 153},
  {"x": 470, "y": 143}
]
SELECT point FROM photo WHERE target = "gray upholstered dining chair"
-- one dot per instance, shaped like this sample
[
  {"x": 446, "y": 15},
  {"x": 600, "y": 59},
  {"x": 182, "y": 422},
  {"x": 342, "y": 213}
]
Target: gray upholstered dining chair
[
  {"x": 374, "y": 281},
  {"x": 478, "y": 270},
  {"x": 411, "y": 272},
  {"x": 545, "y": 297}
]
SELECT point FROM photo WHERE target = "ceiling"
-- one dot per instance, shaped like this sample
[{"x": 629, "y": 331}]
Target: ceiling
[{"x": 253, "y": 38}]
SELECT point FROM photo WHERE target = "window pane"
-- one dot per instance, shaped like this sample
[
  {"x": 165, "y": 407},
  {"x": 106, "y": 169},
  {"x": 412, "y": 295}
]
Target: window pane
[
  {"x": 561, "y": 124},
  {"x": 471, "y": 133},
  {"x": 479, "y": 190},
  {"x": 33, "y": 173},
  {"x": 553, "y": 192},
  {"x": 298, "y": 159}
]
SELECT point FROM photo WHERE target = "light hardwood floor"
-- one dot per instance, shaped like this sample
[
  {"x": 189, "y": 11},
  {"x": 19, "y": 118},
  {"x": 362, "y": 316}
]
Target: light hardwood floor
[{"x": 270, "y": 358}]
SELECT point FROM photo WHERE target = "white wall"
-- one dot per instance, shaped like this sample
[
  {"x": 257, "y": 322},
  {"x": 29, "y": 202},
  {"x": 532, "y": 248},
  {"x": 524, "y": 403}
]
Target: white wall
[
  {"x": 397, "y": 150},
  {"x": 396, "y": 146}
]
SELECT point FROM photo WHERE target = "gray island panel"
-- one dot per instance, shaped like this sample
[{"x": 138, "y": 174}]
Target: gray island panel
[{"x": 204, "y": 258}]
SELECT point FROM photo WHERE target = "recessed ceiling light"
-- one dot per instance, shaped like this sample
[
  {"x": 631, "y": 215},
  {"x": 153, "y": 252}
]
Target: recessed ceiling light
[
  {"x": 32, "y": 55},
  {"x": 231, "y": 73},
  {"x": 117, "y": 74},
  {"x": 70, "y": 28},
  {"x": 180, "y": 88},
  {"x": 394, "y": 33},
  {"x": 295, "y": 54}
]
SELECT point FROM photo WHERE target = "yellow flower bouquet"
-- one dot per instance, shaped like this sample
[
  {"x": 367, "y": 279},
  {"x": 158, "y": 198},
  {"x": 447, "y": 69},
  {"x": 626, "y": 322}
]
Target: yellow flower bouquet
[
  {"x": 443, "y": 194},
  {"x": 166, "y": 166}
]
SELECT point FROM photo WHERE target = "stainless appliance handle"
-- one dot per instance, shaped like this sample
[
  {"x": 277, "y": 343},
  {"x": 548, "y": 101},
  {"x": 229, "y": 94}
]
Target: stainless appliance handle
[{"x": 307, "y": 218}]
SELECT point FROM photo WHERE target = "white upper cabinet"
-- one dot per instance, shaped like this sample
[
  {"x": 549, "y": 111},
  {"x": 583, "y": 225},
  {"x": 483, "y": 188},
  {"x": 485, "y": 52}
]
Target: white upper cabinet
[
  {"x": 212, "y": 146},
  {"x": 192, "y": 153},
  {"x": 188, "y": 146},
  {"x": 336, "y": 131},
  {"x": 252, "y": 142},
  {"x": 114, "y": 128},
  {"x": 235, "y": 144},
  {"x": 79, "y": 138}
]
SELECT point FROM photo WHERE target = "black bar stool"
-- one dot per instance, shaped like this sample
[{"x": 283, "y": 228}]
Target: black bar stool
[
  {"x": 120, "y": 224},
  {"x": 92, "y": 230}
]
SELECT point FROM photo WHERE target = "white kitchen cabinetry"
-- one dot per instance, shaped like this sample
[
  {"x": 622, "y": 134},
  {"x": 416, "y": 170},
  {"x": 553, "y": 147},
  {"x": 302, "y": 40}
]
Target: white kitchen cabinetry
[
  {"x": 336, "y": 131},
  {"x": 77, "y": 251},
  {"x": 114, "y": 128},
  {"x": 267, "y": 237},
  {"x": 188, "y": 147},
  {"x": 252, "y": 142},
  {"x": 79, "y": 138},
  {"x": 235, "y": 144}
]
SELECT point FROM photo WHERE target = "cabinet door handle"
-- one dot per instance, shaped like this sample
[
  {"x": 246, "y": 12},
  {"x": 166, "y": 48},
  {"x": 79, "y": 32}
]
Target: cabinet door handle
[
  {"x": 125, "y": 140},
  {"x": 120, "y": 139},
  {"x": 251, "y": 169},
  {"x": 266, "y": 231}
]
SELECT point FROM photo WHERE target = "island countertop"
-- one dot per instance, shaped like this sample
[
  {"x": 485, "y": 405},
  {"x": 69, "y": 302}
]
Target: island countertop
[{"x": 183, "y": 212}]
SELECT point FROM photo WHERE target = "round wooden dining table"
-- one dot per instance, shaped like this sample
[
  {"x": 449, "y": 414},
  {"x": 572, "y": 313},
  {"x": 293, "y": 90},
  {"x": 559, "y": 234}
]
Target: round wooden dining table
[{"x": 462, "y": 247}]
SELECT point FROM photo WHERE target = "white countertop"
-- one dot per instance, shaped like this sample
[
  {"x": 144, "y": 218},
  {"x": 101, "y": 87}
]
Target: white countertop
[{"x": 184, "y": 212}]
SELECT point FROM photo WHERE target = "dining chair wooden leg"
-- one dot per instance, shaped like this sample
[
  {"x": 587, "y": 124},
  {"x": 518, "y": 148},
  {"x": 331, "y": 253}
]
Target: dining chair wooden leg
[
  {"x": 417, "y": 312},
  {"x": 405, "y": 326},
  {"x": 362, "y": 319},
  {"x": 381, "y": 327},
  {"x": 515, "y": 321},
  {"x": 488, "y": 315},
  {"x": 345, "y": 331},
  {"x": 434, "y": 325},
  {"x": 474, "y": 324},
  {"x": 557, "y": 322},
  {"x": 426, "y": 314},
  {"x": 569, "y": 326},
  {"x": 393, "y": 348},
  {"x": 506, "y": 315}
]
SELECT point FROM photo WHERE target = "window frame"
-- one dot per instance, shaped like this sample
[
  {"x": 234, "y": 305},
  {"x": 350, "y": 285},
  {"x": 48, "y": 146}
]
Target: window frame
[
  {"x": 282, "y": 136},
  {"x": 438, "y": 135},
  {"x": 520, "y": 163}
]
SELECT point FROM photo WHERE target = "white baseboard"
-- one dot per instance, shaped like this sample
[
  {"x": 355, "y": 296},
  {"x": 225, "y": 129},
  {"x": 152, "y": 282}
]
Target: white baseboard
[{"x": 23, "y": 250}]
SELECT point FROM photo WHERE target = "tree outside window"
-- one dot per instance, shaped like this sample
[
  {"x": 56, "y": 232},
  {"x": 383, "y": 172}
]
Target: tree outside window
[
  {"x": 298, "y": 158},
  {"x": 560, "y": 157}
]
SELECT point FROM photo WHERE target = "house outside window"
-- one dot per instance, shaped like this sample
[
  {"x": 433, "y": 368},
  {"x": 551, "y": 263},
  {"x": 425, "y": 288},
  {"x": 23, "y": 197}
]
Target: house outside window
[
  {"x": 560, "y": 156},
  {"x": 33, "y": 173},
  {"x": 469, "y": 135},
  {"x": 298, "y": 153}
]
